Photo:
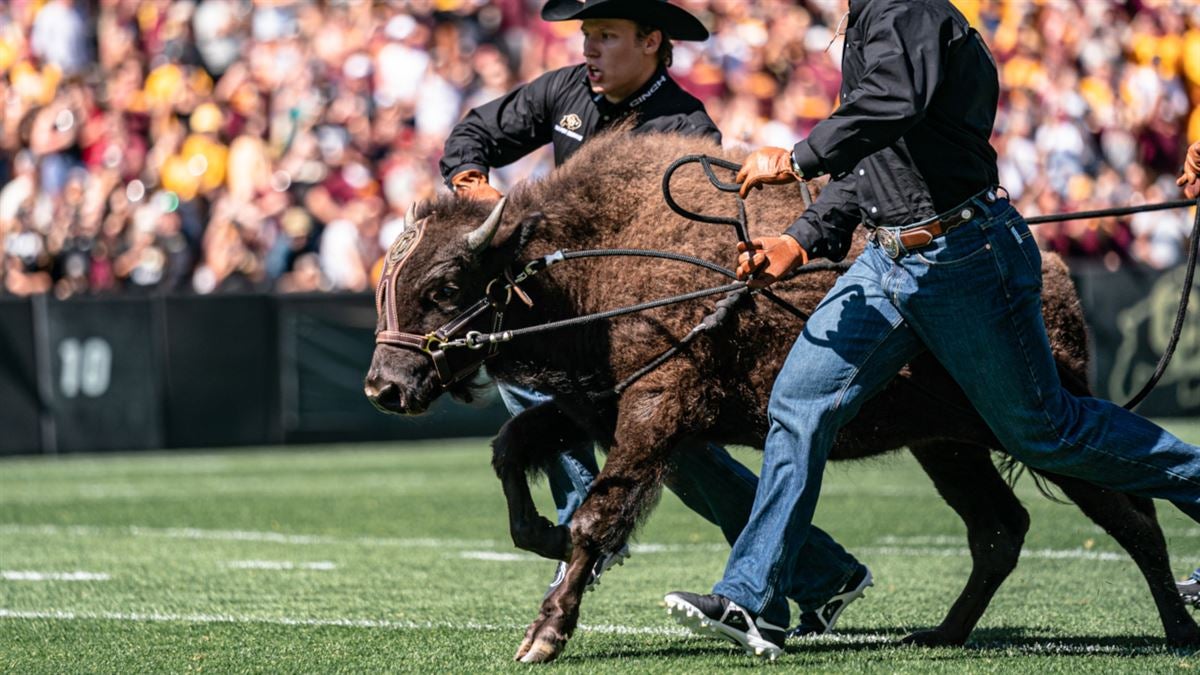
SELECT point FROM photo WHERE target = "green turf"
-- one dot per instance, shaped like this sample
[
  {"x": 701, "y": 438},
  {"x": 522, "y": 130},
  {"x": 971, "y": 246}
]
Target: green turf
[{"x": 401, "y": 535}]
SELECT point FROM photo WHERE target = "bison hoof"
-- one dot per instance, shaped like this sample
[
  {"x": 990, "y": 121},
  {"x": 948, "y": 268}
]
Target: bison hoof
[
  {"x": 540, "y": 651},
  {"x": 1186, "y": 638},
  {"x": 932, "y": 638},
  {"x": 542, "y": 644}
]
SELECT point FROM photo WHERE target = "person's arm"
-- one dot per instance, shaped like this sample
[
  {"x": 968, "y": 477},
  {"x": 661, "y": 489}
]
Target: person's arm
[
  {"x": 500, "y": 132},
  {"x": 825, "y": 228},
  {"x": 904, "y": 52},
  {"x": 904, "y": 55}
]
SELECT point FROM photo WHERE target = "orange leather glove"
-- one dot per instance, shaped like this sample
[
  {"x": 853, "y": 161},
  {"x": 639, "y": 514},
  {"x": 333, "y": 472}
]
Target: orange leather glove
[
  {"x": 472, "y": 184},
  {"x": 769, "y": 259},
  {"x": 766, "y": 166},
  {"x": 1190, "y": 180}
]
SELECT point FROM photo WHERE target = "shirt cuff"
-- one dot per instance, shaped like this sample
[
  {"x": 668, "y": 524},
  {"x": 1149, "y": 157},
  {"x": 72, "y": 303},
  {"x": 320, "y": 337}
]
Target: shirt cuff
[
  {"x": 807, "y": 161},
  {"x": 808, "y": 236}
]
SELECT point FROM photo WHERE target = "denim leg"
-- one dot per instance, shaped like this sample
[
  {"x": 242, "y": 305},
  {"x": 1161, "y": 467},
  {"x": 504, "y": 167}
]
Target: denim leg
[
  {"x": 975, "y": 300},
  {"x": 721, "y": 490},
  {"x": 853, "y": 344},
  {"x": 572, "y": 475}
]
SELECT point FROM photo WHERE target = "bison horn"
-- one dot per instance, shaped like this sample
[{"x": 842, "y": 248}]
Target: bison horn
[
  {"x": 410, "y": 218},
  {"x": 482, "y": 237}
]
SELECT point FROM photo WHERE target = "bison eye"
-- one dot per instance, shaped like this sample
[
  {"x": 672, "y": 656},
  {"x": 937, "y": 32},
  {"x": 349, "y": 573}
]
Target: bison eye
[{"x": 445, "y": 293}]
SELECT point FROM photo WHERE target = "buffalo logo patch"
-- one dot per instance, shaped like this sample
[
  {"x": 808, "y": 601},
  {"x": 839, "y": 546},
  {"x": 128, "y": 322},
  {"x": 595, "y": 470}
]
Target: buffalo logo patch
[
  {"x": 403, "y": 247},
  {"x": 571, "y": 122}
]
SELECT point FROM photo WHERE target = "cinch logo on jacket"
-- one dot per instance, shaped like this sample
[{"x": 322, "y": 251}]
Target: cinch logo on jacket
[{"x": 650, "y": 92}]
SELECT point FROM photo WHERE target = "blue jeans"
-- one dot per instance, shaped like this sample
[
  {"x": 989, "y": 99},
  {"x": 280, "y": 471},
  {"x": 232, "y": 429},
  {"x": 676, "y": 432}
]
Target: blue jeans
[
  {"x": 973, "y": 298},
  {"x": 714, "y": 485}
]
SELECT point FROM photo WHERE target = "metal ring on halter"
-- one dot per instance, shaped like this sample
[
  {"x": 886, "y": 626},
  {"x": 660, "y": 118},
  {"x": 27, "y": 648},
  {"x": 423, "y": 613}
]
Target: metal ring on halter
[{"x": 476, "y": 340}]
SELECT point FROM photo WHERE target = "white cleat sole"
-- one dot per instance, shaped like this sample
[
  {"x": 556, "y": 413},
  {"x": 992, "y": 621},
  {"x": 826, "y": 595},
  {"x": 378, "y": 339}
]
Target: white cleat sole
[
  {"x": 615, "y": 560},
  {"x": 690, "y": 617},
  {"x": 849, "y": 597}
]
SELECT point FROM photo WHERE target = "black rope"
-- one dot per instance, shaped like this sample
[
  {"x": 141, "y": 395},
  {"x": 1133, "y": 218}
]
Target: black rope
[
  {"x": 642, "y": 253},
  {"x": 708, "y": 323},
  {"x": 1108, "y": 213},
  {"x": 788, "y": 307},
  {"x": 706, "y": 162},
  {"x": 1180, "y": 315},
  {"x": 610, "y": 314}
]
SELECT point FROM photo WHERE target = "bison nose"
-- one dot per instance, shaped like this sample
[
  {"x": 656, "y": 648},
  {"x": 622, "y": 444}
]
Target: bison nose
[{"x": 386, "y": 398}]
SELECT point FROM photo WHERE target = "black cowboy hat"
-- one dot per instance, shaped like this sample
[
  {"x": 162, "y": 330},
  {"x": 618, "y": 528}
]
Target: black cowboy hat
[{"x": 676, "y": 22}]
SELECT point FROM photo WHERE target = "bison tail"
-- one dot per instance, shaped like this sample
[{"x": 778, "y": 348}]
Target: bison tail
[{"x": 1012, "y": 470}]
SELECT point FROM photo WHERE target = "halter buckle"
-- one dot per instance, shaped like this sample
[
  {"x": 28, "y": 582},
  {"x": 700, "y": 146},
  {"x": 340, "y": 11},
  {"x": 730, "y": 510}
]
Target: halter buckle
[{"x": 434, "y": 343}]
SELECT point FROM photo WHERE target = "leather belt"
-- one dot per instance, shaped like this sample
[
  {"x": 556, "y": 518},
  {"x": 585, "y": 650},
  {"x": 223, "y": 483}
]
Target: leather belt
[{"x": 896, "y": 241}]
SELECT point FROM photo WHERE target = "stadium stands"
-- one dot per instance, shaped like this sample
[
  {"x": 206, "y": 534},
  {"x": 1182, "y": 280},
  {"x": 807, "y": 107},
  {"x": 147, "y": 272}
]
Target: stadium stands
[{"x": 223, "y": 145}]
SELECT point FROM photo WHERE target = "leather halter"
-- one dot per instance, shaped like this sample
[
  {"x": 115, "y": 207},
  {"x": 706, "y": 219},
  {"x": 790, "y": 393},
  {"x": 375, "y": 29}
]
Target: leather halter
[{"x": 454, "y": 334}]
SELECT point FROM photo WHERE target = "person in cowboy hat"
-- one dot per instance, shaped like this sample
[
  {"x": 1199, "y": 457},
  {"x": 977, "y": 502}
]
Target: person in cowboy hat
[{"x": 627, "y": 49}]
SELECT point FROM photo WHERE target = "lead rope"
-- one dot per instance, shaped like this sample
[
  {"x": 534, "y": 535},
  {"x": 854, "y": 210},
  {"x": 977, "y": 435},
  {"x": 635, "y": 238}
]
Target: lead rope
[
  {"x": 1180, "y": 316},
  {"x": 1189, "y": 275}
]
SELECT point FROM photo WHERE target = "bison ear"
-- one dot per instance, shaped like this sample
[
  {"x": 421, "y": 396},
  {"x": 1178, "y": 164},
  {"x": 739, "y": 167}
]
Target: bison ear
[{"x": 513, "y": 237}]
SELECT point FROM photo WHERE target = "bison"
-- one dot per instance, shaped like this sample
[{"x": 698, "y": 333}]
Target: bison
[{"x": 455, "y": 252}]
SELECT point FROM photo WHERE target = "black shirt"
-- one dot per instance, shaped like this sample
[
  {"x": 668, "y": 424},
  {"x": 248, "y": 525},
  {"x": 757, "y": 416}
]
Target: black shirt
[
  {"x": 560, "y": 108},
  {"x": 910, "y": 139}
]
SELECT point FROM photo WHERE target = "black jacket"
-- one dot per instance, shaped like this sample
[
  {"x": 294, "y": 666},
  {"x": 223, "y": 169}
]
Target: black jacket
[
  {"x": 560, "y": 108},
  {"x": 910, "y": 139}
]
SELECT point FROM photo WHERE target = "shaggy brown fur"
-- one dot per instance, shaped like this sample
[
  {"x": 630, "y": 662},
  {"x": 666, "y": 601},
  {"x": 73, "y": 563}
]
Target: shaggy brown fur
[{"x": 608, "y": 196}]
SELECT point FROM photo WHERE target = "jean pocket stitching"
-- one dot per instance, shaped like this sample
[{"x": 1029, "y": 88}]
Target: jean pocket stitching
[
  {"x": 970, "y": 257},
  {"x": 1034, "y": 269}
]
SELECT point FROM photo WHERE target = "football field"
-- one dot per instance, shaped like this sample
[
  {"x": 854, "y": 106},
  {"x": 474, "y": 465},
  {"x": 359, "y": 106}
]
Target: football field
[{"x": 395, "y": 557}]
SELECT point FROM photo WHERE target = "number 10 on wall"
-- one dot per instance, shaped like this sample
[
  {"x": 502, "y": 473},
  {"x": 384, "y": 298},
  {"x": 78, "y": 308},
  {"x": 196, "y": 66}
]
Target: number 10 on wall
[{"x": 85, "y": 367}]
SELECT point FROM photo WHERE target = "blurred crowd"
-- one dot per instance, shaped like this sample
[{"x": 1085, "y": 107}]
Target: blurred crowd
[{"x": 224, "y": 145}]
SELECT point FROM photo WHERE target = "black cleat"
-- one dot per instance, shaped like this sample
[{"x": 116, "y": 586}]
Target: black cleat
[
  {"x": 718, "y": 616},
  {"x": 820, "y": 621}
]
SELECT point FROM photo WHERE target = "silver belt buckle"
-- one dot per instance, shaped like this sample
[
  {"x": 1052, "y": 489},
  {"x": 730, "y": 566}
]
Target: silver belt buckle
[{"x": 888, "y": 241}]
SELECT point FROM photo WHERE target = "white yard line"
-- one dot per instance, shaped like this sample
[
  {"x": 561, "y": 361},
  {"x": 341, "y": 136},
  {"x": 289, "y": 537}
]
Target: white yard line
[
  {"x": 921, "y": 540},
  {"x": 913, "y": 546},
  {"x": 878, "y": 552},
  {"x": 279, "y": 565},
  {"x": 495, "y": 556},
  {"x": 190, "y": 533},
  {"x": 156, "y": 617},
  {"x": 25, "y": 575},
  {"x": 963, "y": 552},
  {"x": 1047, "y": 647}
]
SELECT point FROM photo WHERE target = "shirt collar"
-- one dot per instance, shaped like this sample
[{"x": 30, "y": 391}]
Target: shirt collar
[
  {"x": 856, "y": 8},
  {"x": 653, "y": 87}
]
